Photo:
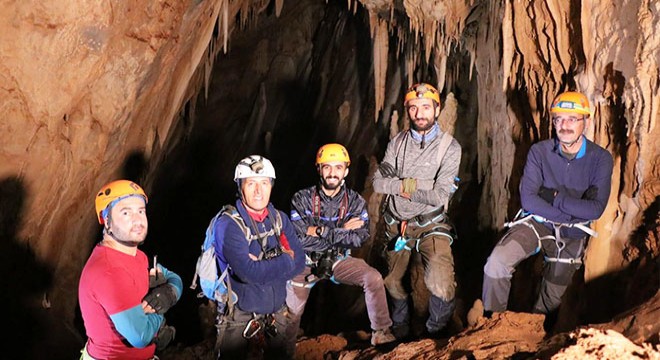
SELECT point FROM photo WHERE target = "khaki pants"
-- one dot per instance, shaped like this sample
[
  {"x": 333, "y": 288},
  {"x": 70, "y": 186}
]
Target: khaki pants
[
  {"x": 437, "y": 259},
  {"x": 434, "y": 245}
]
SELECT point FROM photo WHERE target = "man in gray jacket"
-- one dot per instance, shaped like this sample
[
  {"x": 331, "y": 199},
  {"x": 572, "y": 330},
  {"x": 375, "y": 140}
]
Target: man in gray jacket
[{"x": 418, "y": 176}]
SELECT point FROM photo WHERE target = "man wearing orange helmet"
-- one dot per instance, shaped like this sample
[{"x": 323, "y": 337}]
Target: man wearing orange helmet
[
  {"x": 123, "y": 302},
  {"x": 565, "y": 185},
  {"x": 418, "y": 174},
  {"x": 330, "y": 219}
]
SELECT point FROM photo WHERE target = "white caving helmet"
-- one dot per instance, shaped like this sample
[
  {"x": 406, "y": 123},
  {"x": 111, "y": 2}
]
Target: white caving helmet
[{"x": 254, "y": 166}]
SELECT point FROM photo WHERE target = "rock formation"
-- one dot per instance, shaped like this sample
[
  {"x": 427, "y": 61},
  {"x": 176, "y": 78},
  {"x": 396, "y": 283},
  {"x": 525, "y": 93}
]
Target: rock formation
[{"x": 173, "y": 93}]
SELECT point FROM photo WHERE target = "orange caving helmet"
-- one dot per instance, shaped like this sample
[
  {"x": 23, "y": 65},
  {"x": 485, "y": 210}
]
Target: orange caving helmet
[
  {"x": 422, "y": 90},
  {"x": 113, "y": 192},
  {"x": 571, "y": 102},
  {"x": 332, "y": 152}
]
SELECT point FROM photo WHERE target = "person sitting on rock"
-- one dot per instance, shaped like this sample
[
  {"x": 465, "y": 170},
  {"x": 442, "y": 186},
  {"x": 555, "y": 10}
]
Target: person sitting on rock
[
  {"x": 565, "y": 185},
  {"x": 330, "y": 219}
]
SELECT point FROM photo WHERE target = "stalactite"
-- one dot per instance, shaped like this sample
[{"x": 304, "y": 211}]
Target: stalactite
[
  {"x": 449, "y": 114},
  {"x": 278, "y": 7},
  {"x": 380, "y": 37},
  {"x": 225, "y": 24},
  {"x": 394, "y": 124}
]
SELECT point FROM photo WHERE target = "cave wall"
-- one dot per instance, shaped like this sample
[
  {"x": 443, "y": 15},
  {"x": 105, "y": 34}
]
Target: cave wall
[
  {"x": 94, "y": 90},
  {"x": 88, "y": 89}
]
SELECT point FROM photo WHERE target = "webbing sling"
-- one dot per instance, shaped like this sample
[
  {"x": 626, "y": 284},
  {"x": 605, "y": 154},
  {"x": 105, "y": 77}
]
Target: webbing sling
[{"x": 523, "y": 218}]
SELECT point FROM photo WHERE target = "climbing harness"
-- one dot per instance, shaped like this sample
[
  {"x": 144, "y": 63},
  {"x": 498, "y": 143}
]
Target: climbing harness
[{"x": 525, "y": 218}]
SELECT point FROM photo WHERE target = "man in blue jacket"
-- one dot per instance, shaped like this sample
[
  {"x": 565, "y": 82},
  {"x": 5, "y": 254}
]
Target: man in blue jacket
[
  {"x": 260, "y": 262},
  {"x": 565, "y": 185}
]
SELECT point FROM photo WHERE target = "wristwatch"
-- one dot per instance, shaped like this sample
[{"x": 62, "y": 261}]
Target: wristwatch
[{"x": 319, "y": 231}]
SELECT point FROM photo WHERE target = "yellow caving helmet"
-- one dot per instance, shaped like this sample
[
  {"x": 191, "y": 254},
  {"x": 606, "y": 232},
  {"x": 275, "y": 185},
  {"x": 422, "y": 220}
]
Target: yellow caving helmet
[
  {"x": 332, "y": 152},
  {"x": 112, "y": 193},
  {"x": 422, "y": 90},
  {"x": 571, "y": 102}
]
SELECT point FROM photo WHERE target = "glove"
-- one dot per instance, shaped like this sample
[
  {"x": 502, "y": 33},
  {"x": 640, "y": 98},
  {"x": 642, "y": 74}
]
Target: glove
[
  {"x": 323, "y": 268},
  {"x": 591, "y": 193},
  {"x": 161, "y": 298},
  {"x": 156, "y": 280},
  {"x": 165, "y": 335},
  {"x": 387, "y": 170},
  {"x": 547, "y": 194},
  {"x": 409, "y": 185}
]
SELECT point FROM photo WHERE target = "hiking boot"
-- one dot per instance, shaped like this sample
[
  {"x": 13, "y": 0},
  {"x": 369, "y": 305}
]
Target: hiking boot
[
  {"x": 383, "y": 336},
  {"x": 401, "y": 332}
]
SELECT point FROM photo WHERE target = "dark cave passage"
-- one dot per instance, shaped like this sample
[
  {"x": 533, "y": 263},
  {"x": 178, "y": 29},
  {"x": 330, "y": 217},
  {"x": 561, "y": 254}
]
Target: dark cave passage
[{"x": 278, "y": 95}]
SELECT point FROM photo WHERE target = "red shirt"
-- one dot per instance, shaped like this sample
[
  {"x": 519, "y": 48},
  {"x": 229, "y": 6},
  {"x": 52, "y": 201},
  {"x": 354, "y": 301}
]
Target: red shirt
[{"x": 112, "y": 282}]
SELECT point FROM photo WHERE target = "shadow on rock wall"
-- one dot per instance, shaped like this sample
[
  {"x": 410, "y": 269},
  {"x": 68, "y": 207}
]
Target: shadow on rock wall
[{"x": 24, "y": 279}]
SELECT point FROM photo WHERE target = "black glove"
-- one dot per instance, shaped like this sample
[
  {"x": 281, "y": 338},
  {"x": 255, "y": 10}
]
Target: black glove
[
  {"x": 323, "y": 267},
  {"x": 591, "y": 193},
  {"x": 155, "y": 281},
  {"x": 387, "y": 170},
  {"x": 547, "y": 194},
  {"x": 165, "y": 335},
  {"x": 161, "y": 298}
]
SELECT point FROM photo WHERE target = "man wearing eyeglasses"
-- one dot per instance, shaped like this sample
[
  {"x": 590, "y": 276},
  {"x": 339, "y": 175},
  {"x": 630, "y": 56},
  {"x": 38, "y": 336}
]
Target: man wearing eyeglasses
[{"x": 565, "y": 185}]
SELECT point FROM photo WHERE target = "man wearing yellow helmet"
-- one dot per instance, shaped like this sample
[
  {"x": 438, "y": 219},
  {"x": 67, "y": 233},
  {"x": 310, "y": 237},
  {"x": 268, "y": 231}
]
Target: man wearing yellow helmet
[
  {"x": 418, "y": 174},
  {"x": 330, "y": 220},
  {"x": 565, "y": 185},
  {"x": 121, "y": 301}
]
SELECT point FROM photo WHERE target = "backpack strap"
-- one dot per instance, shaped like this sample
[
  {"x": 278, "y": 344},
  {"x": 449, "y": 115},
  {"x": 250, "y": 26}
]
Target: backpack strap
[
  {"x": 445, "y": 142},
  {"x": 399, "y": 141},
  {"x": 316, "y": 205}
]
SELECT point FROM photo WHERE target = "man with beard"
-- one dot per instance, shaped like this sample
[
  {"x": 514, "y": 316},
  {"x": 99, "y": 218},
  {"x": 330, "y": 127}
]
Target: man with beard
[
  {"x": 330, "y": 219},
  {"x": 418, "y": 174},
  {"x": 565, "y": 185},
  {"x": 121, "y": 300}
]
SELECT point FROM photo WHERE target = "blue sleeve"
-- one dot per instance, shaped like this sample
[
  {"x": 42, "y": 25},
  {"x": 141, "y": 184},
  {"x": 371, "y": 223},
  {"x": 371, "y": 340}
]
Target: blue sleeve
[
  {"x": 136, "y": 327},
  {"x": 236, "y": 251},
  {"x": 601, "y": 179},
  {"x": 296, "y": 246},
  {"x": 531, "y": 183},
  {"x": 173, "y": 279}
]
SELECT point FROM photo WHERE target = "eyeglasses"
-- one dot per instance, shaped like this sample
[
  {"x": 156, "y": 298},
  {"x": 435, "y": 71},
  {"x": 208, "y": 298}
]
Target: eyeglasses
[{"x": 571, "y": 120}]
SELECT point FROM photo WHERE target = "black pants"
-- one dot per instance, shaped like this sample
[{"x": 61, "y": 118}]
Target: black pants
[{"x": 230, "y": 343}]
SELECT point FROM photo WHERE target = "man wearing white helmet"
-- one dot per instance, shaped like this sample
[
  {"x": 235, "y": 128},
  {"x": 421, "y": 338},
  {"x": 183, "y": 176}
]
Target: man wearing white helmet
[{"x": 260, "y": 265}]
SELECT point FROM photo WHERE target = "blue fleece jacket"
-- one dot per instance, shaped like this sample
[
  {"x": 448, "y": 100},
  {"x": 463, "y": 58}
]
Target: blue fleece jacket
[
  {"x": 547, "y": 166},
  {"x": 260, "y": 285}
]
